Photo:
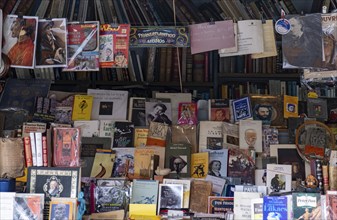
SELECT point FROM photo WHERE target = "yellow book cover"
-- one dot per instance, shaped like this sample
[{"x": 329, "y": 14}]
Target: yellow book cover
[
  {"x": 103, "y": 163},
  {"x": 199, "y": 165},
  {"x": 142, "y": 162},
  {"x": 140, "y": 137},
  {"x": 82, "y": 107},
  {"x": 290, "y": 106},
  {"x": 61, "y": 210}
]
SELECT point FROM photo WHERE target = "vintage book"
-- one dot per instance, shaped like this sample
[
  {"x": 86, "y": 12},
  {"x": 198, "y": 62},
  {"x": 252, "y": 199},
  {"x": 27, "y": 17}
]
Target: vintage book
[
  {"x": 276, "y": 206},
  {"x": 230, "y": 134},
  {"x": 61, "y": 209},
  {"x": 137, "y": 111},
  {"x": 218, "y": 162},
  {"x": 157, "y": 160},
  {"x": 269, "y": 43},
  {"x": 45, "y": 151},
  {"x": 331, "y": 200},
  {"x": 123, "y": 134},
  {"x": 124, "y": 162},
  {"x": 186, "y": 189},
  {"x": 109, "y": 198},
  {"x": 51, "y": 48},
  {"x": 89, "y": 128},
  {"x": 28, "y": 152},
  {"x": 157, "y": 134},
  {"x": 103, "y": 163},
  {"x": 220, "y": 204},
  {"x": 66, "y": 145},
  {"x": 210, "y": 135},
  {"x": 144, "y": 191},
  {"x": 28, "y": 206},
  {"x": 219, "y": 110},
  {"x": 178, "y": 159},
  {"x": 241, "y": 165},
  {"x": 114, "y": 44},
  {"x": 250, "y": 135},
  {"x": 256, "y": 206},
  {"x": 241, "y": 109},
  {"x": 187, "y": 113},
  {"x": 290, "y": 106},
  {"x": 109, "y": 104},
  {"x": 142, "y": 162},
  {"x": 20, "y": 47},
  {"x": 307, "y": 204},
  {"x": 317, "y": 108},
  {"x": 170, "y": 196},
  {"x": 278, "y": 178},
  {"x": 251, "y": 188},
  {"x": 71, "y": 201},
  {"x": 242, "y": 204},
  {"x": 158, "y": 110},
  {"x": 199, "y": 164},
  {"x": 82, "y": 107},
  {"x": 83, "y": 46},
  {"x": 140, "y": 137},
  {"x": 270, "y": 135}
]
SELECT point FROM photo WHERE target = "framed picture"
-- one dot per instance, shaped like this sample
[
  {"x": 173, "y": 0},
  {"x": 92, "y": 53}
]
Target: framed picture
[
  {"x": 287, "y": 154},
  {"x": 317, "y": 108},
  {"x": 268, "y": 109},
  {"x": 170, "y": 196},
  {"x": 241, "y": 109}
]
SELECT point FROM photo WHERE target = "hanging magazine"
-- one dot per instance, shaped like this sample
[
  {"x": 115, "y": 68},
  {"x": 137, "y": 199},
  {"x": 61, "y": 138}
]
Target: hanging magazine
[
  {"x": 83, "y": 54},
  {"x": 114, "y": 46}
]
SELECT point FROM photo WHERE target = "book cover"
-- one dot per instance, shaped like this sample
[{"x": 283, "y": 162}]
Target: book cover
[
  {"x": 61, "y": 210},
  {"x": 6, "y": 205},
  {"x": 218, "y": 162},
  {"x": 250, "y": 135},
  {"x": 278, "y": 177},
  {"x": 275, "y": 207},
  {"x": 257, "y": 208},
  {"x": 178, "y": 159},
  {"x": 140, "y": 137},
  {"x": 241, "y": 165},
  {"x": 218, "y": 184},
  {"x": 103, "y": 163},
  {"x": 170, "y": 196},
  {"x": 83, "y": 46},
  {"x": 20, "y": 33},
  {"x": 290, "y": 106},
  {"x": 220, "y": 204},
  {"x": 158, "y": 110},
  {"x": 242, "y": 204},
  {"x": 199, "y": 164},
  {"x": 251, "y": 188},
  {"x": 28, "y": 152},
  {"x": 106, "y": 128},
  {"x": 142, "y": 162},
  {"x": 137, "y": 111},
  {"x": 109, "y": 104},
  {"x": 241, "y": 109},
  {"x": 200, "y": 191},
  {"x": 210, "y": 135},
  {"x": 317, "y": 108},
  {"x": 66, "y": 145},
  {"x": 88, "y": 128},
  {"x": 230, "y": 133},
  {"x": 123, "y": 134},
  {"x": 329, "y": 32},
  {"x": 32, "y": 127},
  {"x": 51, "y": 47},
  {"x": 114, "y": 44},
  {"x": 144, "y": 191},
  {"x": 331, "y": 204},
  {"x": 219, "y": 110},
  {"x": 124, "y": 162},
  {"x": 157, "y": 134},
  {"x": 28, "y": 206},
  {"x": 186, "y": 189},
  {"x": 45, "y": 109},
  {"x": 307, "y": 205},
  {"x": 82, "y": 107},
  {"x": 187, "y": 113},
  {"x": 109, "y": 198}
]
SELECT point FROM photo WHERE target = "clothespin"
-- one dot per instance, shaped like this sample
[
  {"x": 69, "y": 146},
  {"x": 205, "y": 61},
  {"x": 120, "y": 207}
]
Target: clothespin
[{"x": 114, "y": 23}]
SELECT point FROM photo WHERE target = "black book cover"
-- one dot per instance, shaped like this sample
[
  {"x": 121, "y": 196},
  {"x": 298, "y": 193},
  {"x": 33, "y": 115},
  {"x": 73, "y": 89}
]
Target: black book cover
[{"x": 123, "y": 134}]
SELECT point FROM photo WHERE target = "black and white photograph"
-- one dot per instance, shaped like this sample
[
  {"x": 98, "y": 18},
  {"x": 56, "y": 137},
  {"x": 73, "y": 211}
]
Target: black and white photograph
[
  {"x": 170, "y": 196},
  {"x": 178, "y": 164},
  {"x": 158, "y": 110}
]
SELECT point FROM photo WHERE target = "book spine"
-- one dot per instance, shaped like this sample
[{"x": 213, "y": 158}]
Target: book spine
[
  {"x": 38, "y": 144},
  {"x": 33, "y": 147},
  {"x": 44, "y": 151},
  {"x": 28, "y": 152}
]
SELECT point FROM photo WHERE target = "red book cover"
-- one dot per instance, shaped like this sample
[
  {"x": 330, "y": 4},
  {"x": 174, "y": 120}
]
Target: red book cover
[
  {"x": 44, "y": 151},
  {"x": 28, "y": 152},
  {"x": 66, "y": 147}
]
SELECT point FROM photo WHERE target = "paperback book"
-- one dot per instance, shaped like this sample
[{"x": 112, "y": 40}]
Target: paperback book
[
  {"x": 137, "y": 111},
  {"x": 210, "y": 135},
  {"x": 220, "y": 204},
  {"x": 123, "y": 134},
  {"x": 278, "y": 178},
  {"x": 144, "y": 191},
  {"x": 124, "y": 162},
  {"x": 178, "y": 159},
  {"x": 103, "y": 163},
  {"x": 219, "y": 110},
  {"x": 186, "y": 189}
]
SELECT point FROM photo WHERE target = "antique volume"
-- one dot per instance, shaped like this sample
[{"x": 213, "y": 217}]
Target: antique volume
[
  {"x": 157, "y": 134},
  {"x": 142, "y": 162},
  {"x": 140, "y": 137},
  {"x": 66, "y": 147},
  {"x": 200, "y": 191},
  {"x": 61, "y": 209},
  {"x": 158, "y": 110},
  {"x": 170, "y": 196},
  {"x": 199, "y": 164},
  {"x": 28, "y": 152},
  {"x": 187, "y": 113},
  {"x": 241, "y": 165}
]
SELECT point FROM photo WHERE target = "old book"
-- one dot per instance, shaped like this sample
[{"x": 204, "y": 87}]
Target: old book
[
  {"x": 70, "y": 205},
  {"x": 158, "y": 110},
  {"x": 220, "y": 204},
  {"x": 238, "y": 163},
  {"x": 250, "y": 135},
  {"x": 140, "y": 137},
  {"x": 242, "y": 204},
  {"x": 123, "y": 134},
  {"x": 219, "y": 110},
  {"x": 142, "y": 162},
  {"x": 157, "y": 134},
  {"x": 28, "y": 152},
  {"x": 210, "y": 135},
  {"x": 199, "y": 164},
  {"x": 82, "y": 107},
  {"x": 105, "y": 202},
  {"x": 186, "y": 189},
  {"x": 278, "y": 177},
  {"x": 200, "y": 191},
  {"x": 103, "y": 163},
  {"x": 307, "y": 204},
  {"x": 185, "y": 134},
  {"x": 178, "y": 159},
  {"x": 241, "y": 109},
  {"x": 88, "y": 128},
  {"x": 170, "y": 196},
  {"x": 61, "y": 209},
  {"x": 187, "y": 113},
  {"x": 45, "y": 110},
  {"x": 124, "y": 162},
  {"x": 109, "y": 104},
  {"x": 218, "y": 184},
  {"x": 317, "y": 108},
  {"x": 137, "y": 111},
  {"x": 144, "y": 191}
]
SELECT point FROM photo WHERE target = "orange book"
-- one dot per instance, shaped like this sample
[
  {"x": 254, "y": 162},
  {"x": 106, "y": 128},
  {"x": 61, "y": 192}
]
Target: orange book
[
  {"x": 44, "y": 151},
  {"x": 28, "y": 152}
]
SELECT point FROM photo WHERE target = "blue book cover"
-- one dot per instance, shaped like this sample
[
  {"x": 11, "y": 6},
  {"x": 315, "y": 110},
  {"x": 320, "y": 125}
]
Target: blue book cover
[
  {"x": 144, "y": 191},
  {"x": 241, "y": 109},
  {"x": 275, "y": 207}
]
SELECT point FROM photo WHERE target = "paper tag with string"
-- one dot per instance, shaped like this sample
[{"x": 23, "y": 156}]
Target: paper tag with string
[{"x": 282, "y": 25}]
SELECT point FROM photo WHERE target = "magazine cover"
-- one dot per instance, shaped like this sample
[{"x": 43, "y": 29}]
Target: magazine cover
[
  {"x": 51, "y": 48},
  {"x": 20, "y": 40},
  {"x": 28, "y": 206},
  {"x": 114, "y": 45},
  {"x": 83, "y": 53}
]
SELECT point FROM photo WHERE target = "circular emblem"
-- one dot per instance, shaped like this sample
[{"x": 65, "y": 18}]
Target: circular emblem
[{"x": 282, "y": 26}]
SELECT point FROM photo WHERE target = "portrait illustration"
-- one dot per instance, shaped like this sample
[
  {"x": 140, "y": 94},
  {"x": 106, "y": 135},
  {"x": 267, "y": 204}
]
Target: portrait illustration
[
  {"x": 60, "y": 211},
  {"x": 53, "y": 187}
]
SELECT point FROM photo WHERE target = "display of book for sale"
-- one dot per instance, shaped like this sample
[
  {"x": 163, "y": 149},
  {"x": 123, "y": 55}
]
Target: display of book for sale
[
  {"x": 242, "y": 204},
  {"x": 219, "y": 110},
  {"x": 123, "y": 134},
  {"x": 109, "y": 198},
  {"x": 114, "y": 45},
  {"x": 66, "y": 143},
  {"x": 83, "y": 46},
  {"x": 28, "y": 206},
  {"x": 187, "y": 189},
  {"x": 199, "y": 164},
  {"x": 278, "y": 177},
  {"x": 137, "y": 111},
  {"x": 276, "y": 207},
  {"x": 103, "y": 163},
  {"x": 250, "y": 133},
  {"x": 82, "y": 107},
  {"x": 220, "y": 204},
  {"x": 200, "y": 191},
  {"x": 218, "y": 162},
  {"x": 178, "y": 159},
  {"x": 140, "y": 137},
  {"x": 210, "y": 135},
  {"x": 61, "y": 209},
  {"x": 241, "y": 109},
  {"x": 307, "y": 204},
  {"x": 72, "y": 202},
  {"x": 144, "y": 191},
  {"x": 124, "y": 162}
]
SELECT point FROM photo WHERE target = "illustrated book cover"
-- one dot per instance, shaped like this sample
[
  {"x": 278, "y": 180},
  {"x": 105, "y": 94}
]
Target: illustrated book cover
[
  {"x": 89, "y": 128},
  {"x": 140, "y": 137},
  {"x": 290, "y": 106},
  {"x": 109, "y": 198},
  {"x": 331, "y": 201},
  {"x": 219, "y": 110},
  {"x": 83, "y": 46},
  {"x": 186, "y": 189},
  {"x": 317, "y": 108},
  {"x": 157, "y": 134},
  {"x": 158, "y": 110},
  {"x": 199, "y": 164},
  {"x": 142, "y": 162},
  {"x": 241, "y": 109},
  {"x": 114, "y": 45},
  {"x": 218, "y": 163},
  {"x": 137, "y": 111},
  {"x": 61, "y": 209},
  {"x": 178, "y": 159},
  {"x": 241, "y": 165},
  {"x": 278, "y": 178},
  {"x": 276, "y": 206},
  {"x": 170, "y": 196},
  {"x": 109, "y": 104},
  {"x": 124, "y": 162},
  {"x": 51, "y": 48},
  {"x": 220, "y": 204},
  {"x": 187, "y": 113},
  {"x": 44, "y": 109},
  {"x": 103, "y": 163},
  {"x": 144, "y": 191},
  {"x": 19, "y": 35},
  {"x": 28, "y": 206},
  {"x": 307, "y": 204},
  {"x": 123, "y": 134},
  {"x": 257, "y": 208},
  {"x": 250, "y": 135},
  {"x": 82, "y": 107},
  {"x": 210, "y": 135}
]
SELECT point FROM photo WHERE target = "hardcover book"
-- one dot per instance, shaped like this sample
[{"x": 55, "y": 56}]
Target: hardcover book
[
  {"x": 137, "y": 111},
  {"x": 140, "y": 137},
  {"x": 307, "y": 204},
  {"x": 123, "y": 134},
  {"x": 242, "y": 204},
  {"x": 82, "y": 107},
  {"x": 124, "y": 162},
  {"x": 109, "y": 104},
  {"x": 157, "y": 134},
  {"x": 278, "y": 177},
  {"x": 251, "y": 135},
  {"x": 61, "y": 209},
  {"x": 178, "y": 159},
  {"x": 199, "y": 165},
  {"x": 276, "y": 207},
  {"x": 210, "y": 135},
  {"x": 144, "y": 192},
  {"x": 186, "y": 189},
  {"x": 200, "y": 191},
  {"x": 219, "y": 110},
  {"x": 241, "y": 109},
  {"x": 103, "y": 163},
  {"x": 220, "y": 204}
]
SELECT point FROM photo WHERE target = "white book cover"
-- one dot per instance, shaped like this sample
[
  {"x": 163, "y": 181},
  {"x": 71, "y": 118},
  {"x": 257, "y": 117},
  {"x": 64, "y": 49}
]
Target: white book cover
[
  {"x": 218, "y": 184},
  {"x": 256, "y": 209},
  {"x": 39, "y": 150},
  {"x": 278, "y": 178},
  {"x": 6, "y": 205},
  {"x": 187, "y": 189},
  {"x": 230, "y": 135},
  {"x": 210, "y": 135},
  {"x": 109, "y": 104},
  {"x": 242, "y": 204},
  {"x": 251, "y": 188},
  {"x": 88, "y": 128},
  {"x": 33, "y": 146},
  {"x": 250, "y": 134}
]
